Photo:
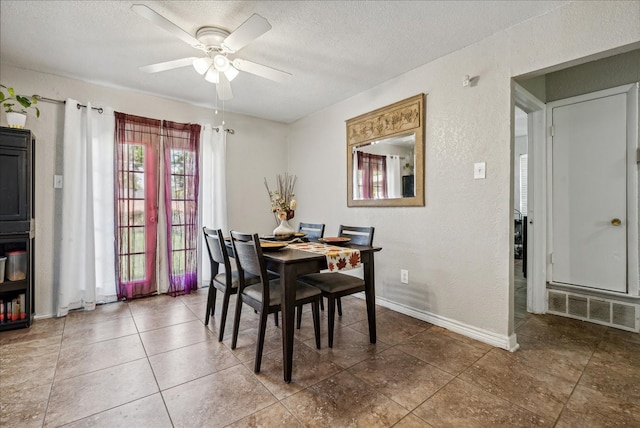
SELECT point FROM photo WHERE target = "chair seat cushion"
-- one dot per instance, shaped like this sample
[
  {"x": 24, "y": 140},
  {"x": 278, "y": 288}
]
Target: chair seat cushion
[
  {"x": 221, "y": 278},
  {"x": 333, "y": 282},
  {"x": 303, "y": 291}
]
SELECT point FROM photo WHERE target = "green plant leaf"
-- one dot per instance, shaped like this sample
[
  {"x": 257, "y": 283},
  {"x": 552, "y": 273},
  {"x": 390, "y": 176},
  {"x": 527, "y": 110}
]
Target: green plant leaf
[{"x": 24, "y": 101}]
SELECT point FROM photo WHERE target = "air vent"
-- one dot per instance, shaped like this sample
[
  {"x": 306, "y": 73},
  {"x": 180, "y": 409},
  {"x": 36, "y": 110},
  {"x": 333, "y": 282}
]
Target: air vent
[
  {"x": 625, "y": 316},
  {"x": 578, "y": 306},
  {"x": 557, "y": 302}
]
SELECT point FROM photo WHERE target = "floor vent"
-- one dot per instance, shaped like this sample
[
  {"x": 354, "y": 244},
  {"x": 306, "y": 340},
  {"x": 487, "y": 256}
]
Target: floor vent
[{"x": 625, "y": 316}]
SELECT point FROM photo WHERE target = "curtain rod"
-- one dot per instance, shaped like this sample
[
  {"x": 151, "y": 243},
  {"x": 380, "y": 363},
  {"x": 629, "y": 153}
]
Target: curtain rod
[
  {"x": 228, "y": 130},
  {"x": 51, "y": 100},
  {"x": 100, "y": 110}
]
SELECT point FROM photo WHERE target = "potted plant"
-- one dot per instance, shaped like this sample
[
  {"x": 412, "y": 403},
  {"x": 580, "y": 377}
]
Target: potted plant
[{"x": 16, "y": 106}]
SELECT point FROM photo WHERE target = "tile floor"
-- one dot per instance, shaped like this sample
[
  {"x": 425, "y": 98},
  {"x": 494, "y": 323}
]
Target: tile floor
[{"x": 152, "y": 363}]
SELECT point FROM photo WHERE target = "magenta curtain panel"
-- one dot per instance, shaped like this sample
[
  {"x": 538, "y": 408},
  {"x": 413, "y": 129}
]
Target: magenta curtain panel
[
  {"x": 136, "y": 204},
  {"x": 181, "y": 164}
]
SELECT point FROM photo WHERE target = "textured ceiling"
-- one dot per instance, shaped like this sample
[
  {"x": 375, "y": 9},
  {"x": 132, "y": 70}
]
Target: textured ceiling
[{"x": 334, "y": 49}]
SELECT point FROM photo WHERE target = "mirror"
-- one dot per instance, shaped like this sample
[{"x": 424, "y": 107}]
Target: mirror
[{"x": 385, "y": 156}]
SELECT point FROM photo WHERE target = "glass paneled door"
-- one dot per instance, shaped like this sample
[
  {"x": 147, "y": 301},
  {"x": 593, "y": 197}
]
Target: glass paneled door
[
  {"x": 181, "y": 202},
  {"x": 139, "y": 143},
  {"x": 136, "y": 204},
  {"x": 137, "y": 214}
]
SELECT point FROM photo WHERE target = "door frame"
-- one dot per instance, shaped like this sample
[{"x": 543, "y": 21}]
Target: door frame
[
  {"x": 633, "y": 159},
  {"x": 536, "y": 199}
]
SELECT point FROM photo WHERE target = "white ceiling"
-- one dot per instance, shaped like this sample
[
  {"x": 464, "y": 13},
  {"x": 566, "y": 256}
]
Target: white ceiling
[{"x": 334, "y": 49}]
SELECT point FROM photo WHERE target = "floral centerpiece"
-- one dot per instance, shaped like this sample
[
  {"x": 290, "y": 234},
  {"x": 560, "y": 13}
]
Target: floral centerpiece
[{"x": 283, "y": 204}]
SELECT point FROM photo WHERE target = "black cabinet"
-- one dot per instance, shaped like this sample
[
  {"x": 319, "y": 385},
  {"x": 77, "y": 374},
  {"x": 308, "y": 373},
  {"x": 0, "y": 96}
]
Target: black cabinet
[
  {"x": 16, "y": 292},
  {"x": 16, "y": 231},
  {"x": 407, "y": 186}
]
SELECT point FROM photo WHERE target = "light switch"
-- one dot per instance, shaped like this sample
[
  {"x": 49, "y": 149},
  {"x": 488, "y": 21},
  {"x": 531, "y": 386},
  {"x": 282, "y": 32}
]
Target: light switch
[
  {"x": 57, "y": 182},
  {"x": 479, "y": 170}
]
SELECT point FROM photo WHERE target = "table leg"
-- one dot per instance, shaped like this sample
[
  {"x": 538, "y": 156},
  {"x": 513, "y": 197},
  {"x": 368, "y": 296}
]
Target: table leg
[
  {"x": 288, "y": 286},
  {"x": 370, "y": 294}
]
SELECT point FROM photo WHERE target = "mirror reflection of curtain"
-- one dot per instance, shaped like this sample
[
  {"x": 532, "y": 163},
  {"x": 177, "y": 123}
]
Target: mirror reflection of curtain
[
  {"x": 373, "y": 169},
  {"x": 394, "y": 177},
  {"x": 357, "y": 177}
]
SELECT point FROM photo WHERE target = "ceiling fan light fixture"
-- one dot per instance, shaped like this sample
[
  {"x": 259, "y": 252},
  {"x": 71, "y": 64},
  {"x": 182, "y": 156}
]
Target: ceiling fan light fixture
[
  {"x": 202, "y": 64},
  {"x": 212, "y": 76},
  {"x": 221, "y": 62},
  {"x": 231, "y": 73}
]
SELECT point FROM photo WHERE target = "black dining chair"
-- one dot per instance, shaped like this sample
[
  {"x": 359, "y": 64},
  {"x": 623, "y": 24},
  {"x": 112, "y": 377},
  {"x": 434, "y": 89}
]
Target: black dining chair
[
  {"x": 226, "y": 282},
  {"x": 264, "y": 296},
  {"x": 313, "y": 231},
  {"x": 335, "y": 284}
]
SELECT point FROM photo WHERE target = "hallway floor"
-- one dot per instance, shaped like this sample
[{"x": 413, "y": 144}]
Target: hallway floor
[
  {"x": 519, "y": 293},
  {"x": 152, "y": 363}
]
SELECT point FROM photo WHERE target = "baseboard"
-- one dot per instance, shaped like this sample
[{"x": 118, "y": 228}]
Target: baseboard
[
  {"x": 505, "y": 342},
  {"x": 43, "y": 317}
]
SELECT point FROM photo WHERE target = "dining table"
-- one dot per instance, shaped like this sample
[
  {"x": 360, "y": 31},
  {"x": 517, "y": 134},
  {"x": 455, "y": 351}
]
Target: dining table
[{"x": 290, "y": 263}]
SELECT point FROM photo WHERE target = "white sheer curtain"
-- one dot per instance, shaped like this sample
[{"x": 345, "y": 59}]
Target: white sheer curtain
[
  {"x": 356, "y": 177},
  {"x": 394, "y": 177},
  {"x": 213, "y": 191},
  {"x": 87, "y": 264}
]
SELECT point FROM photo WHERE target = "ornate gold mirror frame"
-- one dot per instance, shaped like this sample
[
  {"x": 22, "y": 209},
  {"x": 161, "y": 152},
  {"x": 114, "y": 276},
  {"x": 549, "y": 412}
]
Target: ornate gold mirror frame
[{"x": 390, "y": 129}]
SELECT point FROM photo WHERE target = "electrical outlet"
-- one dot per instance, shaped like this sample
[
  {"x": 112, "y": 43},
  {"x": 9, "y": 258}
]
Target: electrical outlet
[{"x": 404, "y": 276}]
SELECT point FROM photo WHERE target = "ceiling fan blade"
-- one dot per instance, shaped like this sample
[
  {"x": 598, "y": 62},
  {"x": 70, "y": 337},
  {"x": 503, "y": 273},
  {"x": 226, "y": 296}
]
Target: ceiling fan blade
[
  {"x": 249, "y": 30},
  {"x": 165, "y": 24},
  {"x": 169, "y": 65},
  {"x": 224, "y": 88},
  {"x": 261, "y": 70}
]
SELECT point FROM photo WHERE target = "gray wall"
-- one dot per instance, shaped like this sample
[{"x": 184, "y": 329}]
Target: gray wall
[{"x": 593, "y": 76}]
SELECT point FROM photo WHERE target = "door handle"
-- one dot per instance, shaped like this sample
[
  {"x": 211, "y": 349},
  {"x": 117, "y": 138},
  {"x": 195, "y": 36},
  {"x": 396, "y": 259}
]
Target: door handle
[{"x": 616, "y": 222}]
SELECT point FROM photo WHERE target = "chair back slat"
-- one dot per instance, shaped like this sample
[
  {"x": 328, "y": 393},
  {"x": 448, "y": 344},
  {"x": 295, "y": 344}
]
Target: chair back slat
[
  {"x": 313, "y": 230},
  {"x": 249, "y": 258},
  {"x": 359, "y": 235},
  {"x": 217, "y": 250}
]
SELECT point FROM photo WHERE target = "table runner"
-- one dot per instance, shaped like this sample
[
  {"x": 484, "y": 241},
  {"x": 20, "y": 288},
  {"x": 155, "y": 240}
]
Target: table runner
[{"x": 338, "y": 258}]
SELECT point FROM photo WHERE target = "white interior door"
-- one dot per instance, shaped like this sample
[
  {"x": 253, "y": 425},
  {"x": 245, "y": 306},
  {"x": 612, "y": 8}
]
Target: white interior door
[{"x": 589, "y": 193}]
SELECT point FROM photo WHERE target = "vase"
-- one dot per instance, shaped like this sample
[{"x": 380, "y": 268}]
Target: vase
[
  {"x": 16, "y": 120},
  {"x": 284, "y": 230}
]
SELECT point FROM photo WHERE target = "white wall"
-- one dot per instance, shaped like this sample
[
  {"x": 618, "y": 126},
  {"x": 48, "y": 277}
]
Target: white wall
[
  {"x": 458, "y": 247},
  {"x": 257, "y": 149}
]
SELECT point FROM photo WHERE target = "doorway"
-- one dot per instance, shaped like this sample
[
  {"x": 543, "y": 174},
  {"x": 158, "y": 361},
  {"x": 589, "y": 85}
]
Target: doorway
[
  {"x": 529, "y": 205},
  {"x": 520, "y": 211}
]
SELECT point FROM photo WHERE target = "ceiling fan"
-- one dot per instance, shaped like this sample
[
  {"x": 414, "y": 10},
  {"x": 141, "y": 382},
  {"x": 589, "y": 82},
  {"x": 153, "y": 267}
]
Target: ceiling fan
[{"x": 217, "y": 44}]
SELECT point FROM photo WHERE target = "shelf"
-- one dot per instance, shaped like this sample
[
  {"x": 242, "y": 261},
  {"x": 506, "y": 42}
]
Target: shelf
[
  {"x": 14, "y": 324},
  {"x": 8, "y": 286}
]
